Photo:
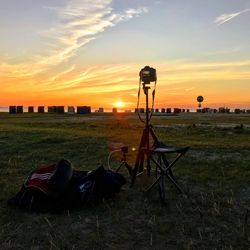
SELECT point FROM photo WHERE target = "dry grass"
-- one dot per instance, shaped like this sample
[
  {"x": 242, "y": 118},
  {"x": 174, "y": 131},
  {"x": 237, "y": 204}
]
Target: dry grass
[{"x": 215, "y": 175}]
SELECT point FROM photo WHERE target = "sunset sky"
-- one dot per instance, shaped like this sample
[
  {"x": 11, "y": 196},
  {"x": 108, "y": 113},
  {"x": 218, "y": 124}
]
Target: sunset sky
[{"x": 90, "y": 52}]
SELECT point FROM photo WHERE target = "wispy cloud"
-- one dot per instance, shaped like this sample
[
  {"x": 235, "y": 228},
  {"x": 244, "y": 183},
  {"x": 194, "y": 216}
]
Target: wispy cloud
[
  {"x": 78, "y": 23},
  {"x": 110, "y": 78},
  {"x": 227, "y": 17}
]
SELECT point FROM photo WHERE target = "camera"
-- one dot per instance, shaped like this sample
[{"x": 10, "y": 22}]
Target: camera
[
  {"x": 124, "y": 149},
  {"x": 148, "y": 74}
]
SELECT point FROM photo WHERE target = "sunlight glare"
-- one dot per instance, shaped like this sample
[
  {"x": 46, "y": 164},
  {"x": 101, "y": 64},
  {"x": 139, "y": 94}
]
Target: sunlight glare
[{"x": 119, "y": 104}]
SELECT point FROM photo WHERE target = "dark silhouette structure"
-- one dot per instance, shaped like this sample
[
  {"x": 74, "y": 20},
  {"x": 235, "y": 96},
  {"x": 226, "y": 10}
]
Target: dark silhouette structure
[
  {"x": 30, "y": 109},
  {"x": 12, "y": 109},
  {"x": 40, "y": 109},
  {"x": 83, "y": 110},
  {"x": 200, "y": 99},
  {"x": 19, "y": 109}
]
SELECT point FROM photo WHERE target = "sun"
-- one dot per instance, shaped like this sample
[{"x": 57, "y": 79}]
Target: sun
[{"x": 119, "y": 104}]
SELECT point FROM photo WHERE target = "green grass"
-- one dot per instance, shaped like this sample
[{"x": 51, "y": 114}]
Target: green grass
[{"x": 215, "y": 174}]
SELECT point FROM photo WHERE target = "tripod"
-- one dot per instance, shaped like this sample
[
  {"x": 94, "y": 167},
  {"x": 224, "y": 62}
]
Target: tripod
[
  {"x": 124, "y": 151},
  {"x": 158, "y": 149},
  {"x": 144, "y": 146}
]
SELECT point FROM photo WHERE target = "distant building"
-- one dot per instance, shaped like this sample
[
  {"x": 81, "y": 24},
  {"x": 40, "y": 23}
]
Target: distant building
[
  {"x": 177, "y": 110},
  {"x": 141, "y": 110},
  {"x": 19, "y": 109},
  {"x": 30, "y": 109},
  {"x": 168, "y": 110},
  {"x": 100, "y": 110},
  {"x": 56, "y": 109},
  {"x": 40, "y": 109},
  {"x": 51, "y": 109},
  {"x": 163, "y": 110},
  {"x": 60, "y": 109},
  {"x": 224, "y": 110},
  {"x": 206, "y": 110},
  {"x": 71, "y": 110},
  {"x": 83, "y": 110},
  {"x": 114, "y": 110},
  {"x": 12, "y": 109}
]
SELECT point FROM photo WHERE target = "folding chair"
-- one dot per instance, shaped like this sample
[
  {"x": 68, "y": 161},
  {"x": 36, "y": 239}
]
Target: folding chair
[{"x": 159, "y": 156}]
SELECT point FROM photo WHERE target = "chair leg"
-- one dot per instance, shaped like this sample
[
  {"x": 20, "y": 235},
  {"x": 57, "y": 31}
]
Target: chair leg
[
  {"x": 169, "y": 173},
  {"x": 162, "y": 190},
  {"x": 154, "y": 183},
  {"x": 175, "y": 183},
  {"x": 164, "y": 169},
  {"x": 160, "y": 180}
]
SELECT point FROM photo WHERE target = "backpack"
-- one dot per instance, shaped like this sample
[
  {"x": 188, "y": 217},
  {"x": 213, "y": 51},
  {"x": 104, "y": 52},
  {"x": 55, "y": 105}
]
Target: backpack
[{"x": 58, "y": 186}]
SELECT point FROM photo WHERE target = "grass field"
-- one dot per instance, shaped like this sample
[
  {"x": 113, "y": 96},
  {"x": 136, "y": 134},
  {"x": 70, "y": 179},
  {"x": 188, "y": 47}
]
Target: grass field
[{"x": 215, "y": 174}]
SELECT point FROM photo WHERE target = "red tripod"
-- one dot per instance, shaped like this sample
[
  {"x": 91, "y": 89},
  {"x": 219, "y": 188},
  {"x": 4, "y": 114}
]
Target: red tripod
[{"x": 144, "y": 146}]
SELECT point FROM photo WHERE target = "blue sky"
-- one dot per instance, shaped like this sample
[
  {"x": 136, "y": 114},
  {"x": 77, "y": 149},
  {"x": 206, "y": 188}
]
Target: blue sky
[{"x": 198, "y": 47}]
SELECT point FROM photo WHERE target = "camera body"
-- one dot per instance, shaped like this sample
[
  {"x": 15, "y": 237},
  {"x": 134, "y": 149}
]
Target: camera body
[{"x": 148, "y": 74}]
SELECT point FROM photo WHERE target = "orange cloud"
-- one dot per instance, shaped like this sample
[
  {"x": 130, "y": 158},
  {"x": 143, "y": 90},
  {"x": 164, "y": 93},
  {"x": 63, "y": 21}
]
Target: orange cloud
[{"x": 179, "y": 83}]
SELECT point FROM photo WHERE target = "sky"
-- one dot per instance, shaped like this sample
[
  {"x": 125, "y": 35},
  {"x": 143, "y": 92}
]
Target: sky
[{"x": 90, "y": 52}]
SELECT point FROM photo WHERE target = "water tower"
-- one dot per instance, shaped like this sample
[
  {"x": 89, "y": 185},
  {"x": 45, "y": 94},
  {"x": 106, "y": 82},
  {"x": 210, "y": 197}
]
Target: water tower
[{"x": 200, "y": 99}]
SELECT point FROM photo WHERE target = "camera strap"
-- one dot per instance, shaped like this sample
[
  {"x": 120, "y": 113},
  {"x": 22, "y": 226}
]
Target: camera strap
[
  {"x": 138, "y": 101},
  {"x": 153, "y": 101}
]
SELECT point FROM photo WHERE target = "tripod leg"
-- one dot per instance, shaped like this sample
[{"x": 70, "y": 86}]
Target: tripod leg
[
  {"x": 120, "y": 167},
  {"x": 129, "y": 168},
  {"x": 139, "y": 158},
  {"x": 153, "y": 135}
]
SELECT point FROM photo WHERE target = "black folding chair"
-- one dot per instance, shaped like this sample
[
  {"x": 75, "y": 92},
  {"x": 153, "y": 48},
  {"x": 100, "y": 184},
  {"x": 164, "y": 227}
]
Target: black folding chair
[{"x": 159, "y": 156}]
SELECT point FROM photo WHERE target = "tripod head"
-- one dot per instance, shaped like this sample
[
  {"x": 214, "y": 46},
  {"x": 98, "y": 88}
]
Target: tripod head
[{"x": 145, "y": 87}]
